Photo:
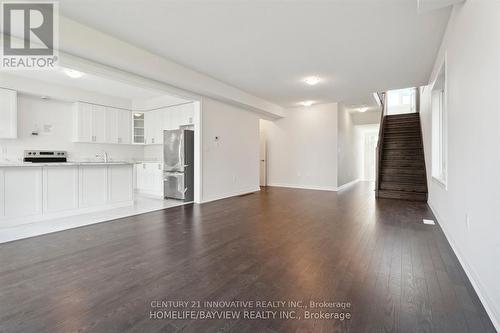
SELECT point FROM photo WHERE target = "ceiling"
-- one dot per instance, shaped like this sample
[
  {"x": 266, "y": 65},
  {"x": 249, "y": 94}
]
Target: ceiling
[
  {"x": 97, "y": 84},
  {"x": 267, "y": 47}
]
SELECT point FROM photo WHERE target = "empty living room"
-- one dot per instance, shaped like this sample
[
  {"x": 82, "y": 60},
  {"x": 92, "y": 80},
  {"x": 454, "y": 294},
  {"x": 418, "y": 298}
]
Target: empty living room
[{"x": 250, "y": 166}]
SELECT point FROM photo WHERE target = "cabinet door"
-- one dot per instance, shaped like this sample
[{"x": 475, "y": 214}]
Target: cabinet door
[
  {"x": 60, "y": 188},
  {"x": 82, "y": 122},
  {"x": 124, "y": 127},
  {"x": 187, "y": 113},
  {"x": 22, "y": 191},
  {"x": 93, "y": 185},
  {"x": 176, "y": 118},
  {"x": 148, "y": 127},
  {"x": 159, "y": 117},
  {"x": 111, "y": 125},
  {"x": 120, "y": 183},
  {"x": 8, "y": 114},
  {"x": 99, "y": 123},
  {"x": 140, "y": 171}
]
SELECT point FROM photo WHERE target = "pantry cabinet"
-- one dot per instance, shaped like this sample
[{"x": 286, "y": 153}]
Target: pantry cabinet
[{"x": 8, "y": 114}]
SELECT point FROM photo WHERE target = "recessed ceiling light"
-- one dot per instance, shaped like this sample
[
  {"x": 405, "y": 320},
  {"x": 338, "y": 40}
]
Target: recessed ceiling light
[
  {"x": 312, "y": 80},
  {"x": 363, "y": 109},
  {"x": 72, "y": 73},
  {"x": 306, "y": 103}
]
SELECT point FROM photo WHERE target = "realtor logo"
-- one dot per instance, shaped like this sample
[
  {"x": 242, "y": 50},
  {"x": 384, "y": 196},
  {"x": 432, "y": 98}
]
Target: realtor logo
[{"x": 29, "y": 35}]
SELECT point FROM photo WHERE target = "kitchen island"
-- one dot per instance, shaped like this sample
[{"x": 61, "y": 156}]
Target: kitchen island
[{"x": 31, "y": 192}]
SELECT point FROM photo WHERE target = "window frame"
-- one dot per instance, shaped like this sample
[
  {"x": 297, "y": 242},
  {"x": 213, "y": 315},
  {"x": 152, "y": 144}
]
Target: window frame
[{"x": 439, "y": 117}]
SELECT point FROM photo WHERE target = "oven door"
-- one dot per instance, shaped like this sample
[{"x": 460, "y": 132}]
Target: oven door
[{"x": 174, "y": 185}]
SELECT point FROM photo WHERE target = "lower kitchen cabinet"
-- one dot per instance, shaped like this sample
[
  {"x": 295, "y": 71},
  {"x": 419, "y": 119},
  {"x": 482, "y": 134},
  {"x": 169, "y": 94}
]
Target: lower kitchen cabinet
[
  {"x": 60, "y": 188},
  {"x": 150, "y": 179},
  {"x": 93, "y": 185},
  {"x": 22, "y": 191},
  {"x": 32, "y": 193},
  {"x": 120, "y": 181}
]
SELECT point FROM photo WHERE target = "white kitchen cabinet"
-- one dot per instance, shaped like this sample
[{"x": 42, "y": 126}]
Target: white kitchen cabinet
[
  {"x": 153, "y": 122},
  {"x": 124, "y": 126},
  {"x": 150, "y": 179},
  {"x": 60, "y": 188},
  {"x": 82, "y": 122},
  {"x": 22, "y": 191},
  {"x": 111, "y": 125},
  {"x": 89, "y": 123},
  {"x": 93, "y": 185},
  {"x": 120, "y": 182},
  {"x": 99, "y": 123},
  {"x": 118, "y": 125},
  {"x": 8, "y": 114}
]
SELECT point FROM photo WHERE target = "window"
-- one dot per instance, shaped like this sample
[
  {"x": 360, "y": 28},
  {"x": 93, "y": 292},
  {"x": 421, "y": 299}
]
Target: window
[
  {"x": 401, "y": 101},
  {"x": 439, "y": 127}
]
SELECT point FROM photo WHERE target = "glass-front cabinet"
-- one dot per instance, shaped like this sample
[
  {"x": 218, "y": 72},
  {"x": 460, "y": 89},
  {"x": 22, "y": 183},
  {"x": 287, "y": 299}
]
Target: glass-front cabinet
[{"x": 138, "y": 127}]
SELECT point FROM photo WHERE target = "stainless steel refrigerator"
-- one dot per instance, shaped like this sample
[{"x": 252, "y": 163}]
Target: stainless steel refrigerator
[{"x": 178, "y": 172}]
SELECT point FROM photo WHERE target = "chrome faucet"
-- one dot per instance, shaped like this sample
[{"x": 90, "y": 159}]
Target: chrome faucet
[{"x": 104, "y": 155}]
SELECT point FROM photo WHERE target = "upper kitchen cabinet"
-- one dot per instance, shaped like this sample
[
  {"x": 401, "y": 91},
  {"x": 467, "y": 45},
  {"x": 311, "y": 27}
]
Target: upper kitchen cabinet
[
  {"x": 89, "y": 123},
  {"x": 154, "y": 126},
  {"x": 138, "y": 128},
  {"x": 118, "y": 125},
  {"x": 8, "y": 114},
  {"x": 99, "y": 124}
]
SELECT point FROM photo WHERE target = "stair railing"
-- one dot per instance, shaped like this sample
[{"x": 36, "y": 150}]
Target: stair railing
[{"x": 382, "y": 98}]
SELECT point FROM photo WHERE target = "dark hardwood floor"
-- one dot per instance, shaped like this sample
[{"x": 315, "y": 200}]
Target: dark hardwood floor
[{"x": 280, "y": 244}]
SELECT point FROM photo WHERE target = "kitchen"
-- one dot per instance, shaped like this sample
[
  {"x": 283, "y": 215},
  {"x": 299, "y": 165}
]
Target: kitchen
[{"x": 78, "y": 148}]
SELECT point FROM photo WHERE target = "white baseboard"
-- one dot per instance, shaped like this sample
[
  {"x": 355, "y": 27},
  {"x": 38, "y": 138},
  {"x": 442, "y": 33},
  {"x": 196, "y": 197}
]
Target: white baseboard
[
  {"x": 314, "y": 187},
  {"x": 471, "y": 274},
  {"x": 340, "y": 188},
  {"x": 304, "y": 187},
  {"x": 230, "y": 194}
]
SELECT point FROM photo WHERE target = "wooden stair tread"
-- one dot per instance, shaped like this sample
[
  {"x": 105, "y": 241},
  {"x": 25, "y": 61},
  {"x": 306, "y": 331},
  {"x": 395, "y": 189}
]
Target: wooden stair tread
[{"x": 402, "y": 166}]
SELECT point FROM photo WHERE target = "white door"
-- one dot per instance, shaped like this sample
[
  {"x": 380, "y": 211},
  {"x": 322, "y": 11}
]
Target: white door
[
  {"x": 370, "y": 151},
  {"x": 263, "y": 160}
]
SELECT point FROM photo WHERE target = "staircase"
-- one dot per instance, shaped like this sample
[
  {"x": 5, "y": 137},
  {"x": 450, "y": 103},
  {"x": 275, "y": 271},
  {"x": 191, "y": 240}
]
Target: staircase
[{"x": 401, "y": 165}]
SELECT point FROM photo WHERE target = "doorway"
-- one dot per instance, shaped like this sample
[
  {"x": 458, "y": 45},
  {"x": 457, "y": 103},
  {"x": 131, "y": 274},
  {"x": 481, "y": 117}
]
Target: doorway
[
  {"x": 262, "y": 154},
  {"x": 368, "y": 151}
]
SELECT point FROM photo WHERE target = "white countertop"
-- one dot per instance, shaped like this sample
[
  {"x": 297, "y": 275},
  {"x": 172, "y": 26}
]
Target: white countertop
[{"x": 71, "y": 163}]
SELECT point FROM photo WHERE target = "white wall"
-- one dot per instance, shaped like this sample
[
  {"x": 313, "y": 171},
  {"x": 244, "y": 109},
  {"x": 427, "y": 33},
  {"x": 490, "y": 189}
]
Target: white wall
[
  {"x": 472, "y": 46},
  {"x": 302, "y": 148},
  {"x": 34, "y": 113},
  {"x": 349, "y": 149},
  {"x": 230, "y": 165}
]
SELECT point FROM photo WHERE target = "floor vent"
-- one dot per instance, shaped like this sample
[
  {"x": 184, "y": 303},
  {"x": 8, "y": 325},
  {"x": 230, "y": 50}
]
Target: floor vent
[{"x": 430, "y": 222}]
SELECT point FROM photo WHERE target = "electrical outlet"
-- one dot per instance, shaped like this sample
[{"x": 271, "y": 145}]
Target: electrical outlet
[{"x": 467, "y": 221}]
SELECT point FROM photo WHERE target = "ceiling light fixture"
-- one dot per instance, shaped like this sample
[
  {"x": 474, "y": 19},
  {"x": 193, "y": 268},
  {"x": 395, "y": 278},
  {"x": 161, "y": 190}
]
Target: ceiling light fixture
[
  {"x": 363, "y": 109},
  {"x": 72, "y": 73},
  {"x": 312, "y": 80},
  {"x": 306, "y": 103}
]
